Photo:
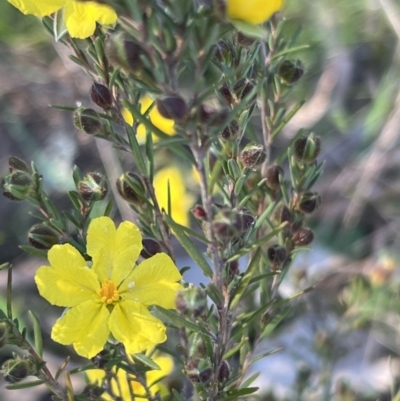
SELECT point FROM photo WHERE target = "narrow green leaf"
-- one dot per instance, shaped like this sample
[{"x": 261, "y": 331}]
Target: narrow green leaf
[
  {"x": 234, "y": 394},
  {"x": 136, "y": 152},
  {"x": 145, "y": 360},
  {"x": 236, "y": 348},
  {"x": 19, "y": 386},
  {"x": 33, "y": 251},
  {"x": 251, "y": 379},
  {"x": 251, "y": 30},
  {"x": 265, "y": 354},
  {"x": 290, "y": 51},
  {"x": 244, "y": 282},
  {"x": 189, "y": 246},
  {"x": 180, "y": 321},
  {"x": 177, "y": 396},
  {"x": 62, "y": 367},
  {"x": 59, "y": 28},
  {"x": 9, "y": 292},
  {"x": 37, "y": 334},
  {"x": 287, "y": 119}
]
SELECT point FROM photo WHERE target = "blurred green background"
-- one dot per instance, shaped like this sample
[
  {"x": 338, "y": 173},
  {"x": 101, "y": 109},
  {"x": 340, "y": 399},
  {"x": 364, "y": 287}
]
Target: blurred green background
[{"x": 341, "y": 341}]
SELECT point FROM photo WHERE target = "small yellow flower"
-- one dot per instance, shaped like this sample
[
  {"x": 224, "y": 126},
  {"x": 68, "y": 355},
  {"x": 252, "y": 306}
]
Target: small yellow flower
[
  {"x": 181, "y": 200},
  {"x": 111, "y": 297},
  {"x": 120, "y": 387},
  {"x": 253, "y": 11},
  {"x": 164, "y": 124},
  {"x": 80, "y": 17}
]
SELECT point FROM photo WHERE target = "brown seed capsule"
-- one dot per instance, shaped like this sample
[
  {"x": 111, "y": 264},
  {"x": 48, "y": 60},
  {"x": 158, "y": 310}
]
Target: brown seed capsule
[
  {"x": 88, "y": 120},
  {"x": 150, "y": 248},
  {"x": 242, "y": 89},
  {"x": 15, "y": 370},
  {"x": 223, "y": 371},
  {"x": 211, "y": 116},
  {"x": 101, "y": 96},
  {"x": 42, "y": 236},
  {"x": 131, "y": 188},
  {"x": 244, "y": 40},
  {"x": 199, "y": 212},
  {"x": 93, "y": 187},
  {"x": 231, "y": 131},
  {"x": 226, "y": 94},
  {"x": 101, "y": 359},
  {"x": 303, "y": 236},
  {"x": 282, "y": 214},
  {"x": 308, "y": 202},
  {"x": 276, "y": 255},
  {"x": 253, "y": 155},
  {"x": 306, "y": 149},
  {"x": 290, "y": 71},
  {"x": 172, "y": 107},
  {"x": 273, "y": 177}
]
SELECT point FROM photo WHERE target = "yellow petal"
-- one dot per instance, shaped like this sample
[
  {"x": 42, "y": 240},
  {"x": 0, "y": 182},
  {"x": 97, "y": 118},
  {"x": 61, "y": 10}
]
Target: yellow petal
[
  {"x": 133, "y": 325},
  {"x": 128, "y": 244},
  {"x": 166, "y": 365},
  {"x": 100, "y": 246},
  {"x": 39, "y": 8},
  {"x": 253, "y": 11},
  {"x": 153, "y": 282},
  {"x": 181, "y": 201},
  {"x": 68, "y": 281},
  {"x": 81, "y": 17},
  {"x": 85, "y": 326},
  {"x": 127, "y": 116}
]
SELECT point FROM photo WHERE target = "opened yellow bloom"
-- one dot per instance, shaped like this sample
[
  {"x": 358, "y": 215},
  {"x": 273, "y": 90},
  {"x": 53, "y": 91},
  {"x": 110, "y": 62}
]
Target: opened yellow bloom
[
  {"x": 253, "y": 11},
  {"x": 165, "y": 125},
  {"x": 80, "y": 16},
  {"x": 113, "y": 296},
  {"x": 125, "y": 382},
  {"x": 181, "y": 199}
]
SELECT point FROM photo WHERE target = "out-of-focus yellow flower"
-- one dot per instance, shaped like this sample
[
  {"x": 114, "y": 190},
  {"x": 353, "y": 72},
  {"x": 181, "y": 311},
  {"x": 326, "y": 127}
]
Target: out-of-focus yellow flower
[
  {"x": 181, "y": 200},
  {"x": 120, "y": 387},
  {"x": 111, "y": 297},
  {"x": 164, "y": 124},
  {"x": 253, "y": 11},
  {"x": 80, "y": 17}
]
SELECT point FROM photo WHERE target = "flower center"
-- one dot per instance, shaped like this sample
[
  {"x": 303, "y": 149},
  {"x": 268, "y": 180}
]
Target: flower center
[{"x": 109, "y": 292}]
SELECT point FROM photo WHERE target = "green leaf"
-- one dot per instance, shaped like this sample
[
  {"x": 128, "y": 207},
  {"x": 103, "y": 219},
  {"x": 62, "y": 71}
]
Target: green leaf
[
  {"x": 145, "y": 360},
  {"x": 177, "y": 396},
  {"x": 189, "y": 246},
  {"x": 180, "y": 321},
  {"x": 18, "y": 386},
  {"x": 59, "y": 28},
  {"x": 37, "y": 334},
  {"x": 234, "y": 394},
  {"x": 244, "y": 282},
  {"x": 265, "y": 354},
  {"x": 41, "y": 253},
  {"x": 250, "y": 30}
]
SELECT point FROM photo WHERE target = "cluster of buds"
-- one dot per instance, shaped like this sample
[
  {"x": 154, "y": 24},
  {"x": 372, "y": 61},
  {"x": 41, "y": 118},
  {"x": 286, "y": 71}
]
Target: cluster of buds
[
  {"x": 18, "y": 184},
  {"x": 93, "y": 187}
]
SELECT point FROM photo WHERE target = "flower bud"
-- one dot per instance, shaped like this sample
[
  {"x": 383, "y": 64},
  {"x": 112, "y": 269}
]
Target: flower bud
[
  {"x": 88, "y": 121},
  {"x": 131, "y": 187},
  {"x": 4, "y": 328},
  {"x": 199, "y": 212},
  {"x": 93, "y": 187},
  {"x": 276, "y": 255},
  {"x": 17, "y": 185},
  {"x": 101, "y": 96},
  {"x": 244, "y": 40},
  {"x": 41, "y": 236},
  {"x": 101, "y": 359},
  {"x": 191, "y": 301},
  {"x": 273, "y": 177},
  {"x": 226, "y": 94},
  {"x": 303, "y": 236},
  {"x": 223, "y": 371},
  {"x": 253, "y": 155},
  {"x": 172, "y": 107},
  {"x": 199, "y": 371},
  {"x": 307, "y": 148},
  {"x": 222, "y": 51},
  {"x": 242, "y": 89},
  {"x": 150, "y": 248},
  {"x": 124, "y": 53},
  {"x": 17, "y": 164},
  {"x": 282, "y": 214},
  {"x": 92, "y": 392},
  {"x": 230, "y": 131},
  {"x": 290, "y": 71},
  {"x": 15, "y": 370},
  {"x": 308, "y": 202}
]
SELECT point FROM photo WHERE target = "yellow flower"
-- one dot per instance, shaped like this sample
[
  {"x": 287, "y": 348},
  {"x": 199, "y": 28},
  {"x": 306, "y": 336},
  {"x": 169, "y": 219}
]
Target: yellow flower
[
  {"x": 80, "y": 17},
  {"x": 181, "y": 200},
  {"x": 111, "y": 297},
  {"x": 120, "y": 387},
  {"x": 253, "y": 11},
  {"x": 164, "y": 124}
]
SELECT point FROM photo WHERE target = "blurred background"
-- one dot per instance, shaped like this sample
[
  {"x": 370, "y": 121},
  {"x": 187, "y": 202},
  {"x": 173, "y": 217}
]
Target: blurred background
[{"x": 340, "y": 341}]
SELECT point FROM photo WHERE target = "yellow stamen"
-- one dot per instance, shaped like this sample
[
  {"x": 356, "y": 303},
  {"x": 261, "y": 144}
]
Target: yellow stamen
[{"x": 109, "y": 292}]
